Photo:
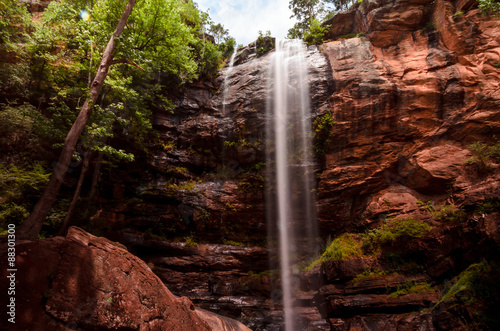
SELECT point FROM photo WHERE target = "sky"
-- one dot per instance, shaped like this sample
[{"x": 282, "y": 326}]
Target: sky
[{"x": 244, "y": 18}]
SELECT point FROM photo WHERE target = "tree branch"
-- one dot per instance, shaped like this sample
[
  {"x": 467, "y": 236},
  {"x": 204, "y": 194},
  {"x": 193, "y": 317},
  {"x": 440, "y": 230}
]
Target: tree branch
[{"x": 127, "y": 61}]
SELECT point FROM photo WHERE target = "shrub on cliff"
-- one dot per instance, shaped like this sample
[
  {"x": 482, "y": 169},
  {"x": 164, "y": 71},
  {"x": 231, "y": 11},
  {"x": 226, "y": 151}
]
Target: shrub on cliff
[
  {"x": 316, "y": 33},
  {"x": 490, "y": 7},
  {"x": 482, "y": 155},
  {"x": 396, "y": 234},
  {"x": 265, "y": 43},
  {"x": 475, "y": 292},
  {"x": 346, "y": 246}
]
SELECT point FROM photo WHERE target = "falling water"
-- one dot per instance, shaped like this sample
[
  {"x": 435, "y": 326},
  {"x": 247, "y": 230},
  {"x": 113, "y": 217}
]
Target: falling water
[
  {"x": 289, "y": 165},
  {"x": 227, "y": 81}
]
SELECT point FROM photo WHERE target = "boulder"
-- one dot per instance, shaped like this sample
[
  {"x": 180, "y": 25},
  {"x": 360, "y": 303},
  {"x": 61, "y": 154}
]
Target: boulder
[{"x": 90, "y": 283}]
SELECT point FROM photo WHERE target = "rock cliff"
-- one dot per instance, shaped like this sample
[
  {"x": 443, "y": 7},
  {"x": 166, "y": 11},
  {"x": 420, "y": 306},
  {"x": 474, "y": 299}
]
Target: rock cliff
[{"x": 413, "y": 87}]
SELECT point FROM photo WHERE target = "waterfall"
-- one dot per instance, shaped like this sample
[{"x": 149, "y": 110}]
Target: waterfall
[
  {"x": 227, "y": 81},
  {"x": 289, "y": 166}
]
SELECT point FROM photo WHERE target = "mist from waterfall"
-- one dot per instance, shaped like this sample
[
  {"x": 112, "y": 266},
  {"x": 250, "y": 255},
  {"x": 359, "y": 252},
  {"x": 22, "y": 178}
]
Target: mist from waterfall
[{"x": 290, "y": 198}]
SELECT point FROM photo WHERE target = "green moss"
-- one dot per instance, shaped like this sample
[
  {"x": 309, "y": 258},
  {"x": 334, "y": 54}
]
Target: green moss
[
  {"x": 267, "y": 273},
  {"x": 390, "y": 238},
  {"x": 251, "y": 183},
  {"x": 190, "y": 242},
  {"x": 449, "y": 214},
  {"x": 457, "y": 15},
  {"x": 395, "y": 234},
  {"x": 345, "y": 246},
  {"x": 478, "y": 289},
  {"x": 233, "y": 243},
  {"x": 322, "y": 127},
  {"x": 368, "y": 274},
  {"x": 352, "y": 35},
  {"x": 411, "y": 287},
  {"x": 427, "y": 205}
]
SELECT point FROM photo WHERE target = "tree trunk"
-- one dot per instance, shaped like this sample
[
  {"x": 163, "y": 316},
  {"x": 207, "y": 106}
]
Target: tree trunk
[
  {"x": 95, "y": 180},
  {"x": 76, "y": 195},
  {"x": 30, "y": 228}
]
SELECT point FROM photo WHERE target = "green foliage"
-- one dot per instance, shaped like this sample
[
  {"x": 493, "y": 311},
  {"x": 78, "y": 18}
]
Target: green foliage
[
  {"x": 16, "y": 127},
  {"x": 19, "y": 189},
  {"x": 457, "y": 15},
  {"x": 209, "y": 57},
  {"x": 251, "y": 183},
  {"x": 55, "y": 218},
  {"x": 297, "y": 31},
  {"x": 390, "y": 238},
  {"x": 202, "y": 215},
  {"x": 368, "y": 274},
  {"x": 242, "y": 142},
  {"x": 483, "y": 153},
  {"x": 265, "y": 43},
  {"x": 478, "y": 289},
  {"x": 15, "y": 22},
  {"x": 316, "y": 33},
  {"x": 426, "y": 205},
  {"x": 411, "y": 287},
  {"x": 190, "y": 242},
  {"x": 21, "y": 183},
  {"x": 233, "y": 243},
  {"x": 11, "y": 213},
  {"x": 322, "y": 127},
  {"x": 13, "y": 25},
  {"x": 218, "y": 32},
  {"x": 449, "y": 214},
  {"x": 341, "y": 5},
  {"x": 307, "y": 12},
  {"x": 352, "y": 35},
  {"x": 395, "y": 234},
  {"x": 346, "y": 246},
  {"x": 488, "y": 206},
  {"x": 489, "y": 7}
]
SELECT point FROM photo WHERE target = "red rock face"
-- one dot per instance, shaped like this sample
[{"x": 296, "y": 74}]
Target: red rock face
[
  {"x": 409, "y": 98},
  {"x": 85, "y": 282}
]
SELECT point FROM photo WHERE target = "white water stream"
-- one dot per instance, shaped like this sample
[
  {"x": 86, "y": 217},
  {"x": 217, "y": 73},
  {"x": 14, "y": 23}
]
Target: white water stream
[
  {"x": 289, "y": 162},
  {"x": 227, "y": 81}
]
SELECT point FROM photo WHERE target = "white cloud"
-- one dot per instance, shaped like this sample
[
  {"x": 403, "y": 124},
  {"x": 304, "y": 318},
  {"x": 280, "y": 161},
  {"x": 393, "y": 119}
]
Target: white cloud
[{"x": 244, "y": 18}]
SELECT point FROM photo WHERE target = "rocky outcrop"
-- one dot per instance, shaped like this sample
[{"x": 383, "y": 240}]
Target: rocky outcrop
[
  {"x": 415, "y": 87},
  {"x": 408, "y": 101},
  {"x": 233, "y": 281},
  {"x": 83, "y": 282}
]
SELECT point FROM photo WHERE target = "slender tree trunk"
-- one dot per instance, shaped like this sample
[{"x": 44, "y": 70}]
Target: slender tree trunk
[
  {"x": 76, "y": 195},
  {"x": 95, "y": 180},
  {"x": 30, "y": 228}
]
